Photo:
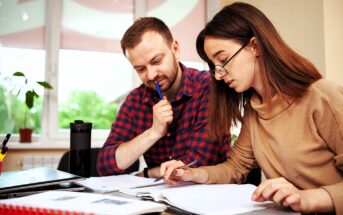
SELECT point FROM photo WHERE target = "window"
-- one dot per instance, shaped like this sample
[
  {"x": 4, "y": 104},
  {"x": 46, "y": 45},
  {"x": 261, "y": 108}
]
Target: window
[
  {"x": 21, "y": 49},
  {"x": 93, "y": 72},
  {"x": 78, "y": 51}
]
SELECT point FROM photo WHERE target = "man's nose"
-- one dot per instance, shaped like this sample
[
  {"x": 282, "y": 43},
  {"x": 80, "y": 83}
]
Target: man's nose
[{"x": 152, "y": 73}]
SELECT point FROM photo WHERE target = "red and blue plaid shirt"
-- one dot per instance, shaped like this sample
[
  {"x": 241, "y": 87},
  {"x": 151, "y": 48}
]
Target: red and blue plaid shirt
[{"x": 186, "y": 138}]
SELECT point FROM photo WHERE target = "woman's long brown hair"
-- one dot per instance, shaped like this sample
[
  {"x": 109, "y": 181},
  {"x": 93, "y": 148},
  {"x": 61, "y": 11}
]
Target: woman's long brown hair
[{"x": 282, "y": 69}]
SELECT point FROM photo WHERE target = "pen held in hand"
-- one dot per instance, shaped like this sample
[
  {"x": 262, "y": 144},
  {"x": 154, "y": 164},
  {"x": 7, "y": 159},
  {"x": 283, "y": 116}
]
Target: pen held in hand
[
  {"x": 159, "y": 90},
  {"x": 181, "y": 167}
]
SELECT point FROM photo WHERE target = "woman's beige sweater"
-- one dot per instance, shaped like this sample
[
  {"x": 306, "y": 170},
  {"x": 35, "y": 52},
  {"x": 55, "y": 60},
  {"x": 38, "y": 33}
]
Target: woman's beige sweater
[{"x": 298, "y": 139}]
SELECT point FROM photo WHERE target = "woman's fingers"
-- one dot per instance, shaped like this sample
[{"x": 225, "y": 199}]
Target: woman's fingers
[
  {"x": 273, "y": 189},
  {"x": 168, "y": 167}
]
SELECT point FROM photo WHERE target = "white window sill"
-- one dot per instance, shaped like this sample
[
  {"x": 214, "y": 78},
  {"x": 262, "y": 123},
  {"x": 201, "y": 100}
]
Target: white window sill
[{"x": 40, "y": 145}]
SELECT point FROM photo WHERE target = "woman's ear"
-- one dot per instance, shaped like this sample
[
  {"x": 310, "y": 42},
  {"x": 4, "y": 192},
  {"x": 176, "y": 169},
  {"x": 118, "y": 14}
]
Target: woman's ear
[{"x": 254, "y": 46}]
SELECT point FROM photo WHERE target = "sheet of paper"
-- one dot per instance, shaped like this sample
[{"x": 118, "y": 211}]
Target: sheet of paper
[
  {"x": 214, "y": 199},
  {"x": 84, "y": 203},
  {"x": 204, "y": 198},
  {"x": 116, "y": 182}
]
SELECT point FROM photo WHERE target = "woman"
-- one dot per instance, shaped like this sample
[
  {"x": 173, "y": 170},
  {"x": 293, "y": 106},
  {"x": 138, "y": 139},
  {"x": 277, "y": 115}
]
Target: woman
[{"x": 292, "y": 124}]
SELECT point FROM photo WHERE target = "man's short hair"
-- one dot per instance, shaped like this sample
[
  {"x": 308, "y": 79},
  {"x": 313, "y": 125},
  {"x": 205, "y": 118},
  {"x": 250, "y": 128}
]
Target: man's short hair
[{"x": 133, "y": 34}]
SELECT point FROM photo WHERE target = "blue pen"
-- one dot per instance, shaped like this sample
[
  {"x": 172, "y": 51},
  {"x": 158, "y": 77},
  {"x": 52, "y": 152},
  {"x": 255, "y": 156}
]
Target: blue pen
[{"x": 158, "y": 90}]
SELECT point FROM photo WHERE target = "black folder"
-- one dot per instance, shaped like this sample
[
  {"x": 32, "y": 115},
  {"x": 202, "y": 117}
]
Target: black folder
[{"x": 19, "y": 183}]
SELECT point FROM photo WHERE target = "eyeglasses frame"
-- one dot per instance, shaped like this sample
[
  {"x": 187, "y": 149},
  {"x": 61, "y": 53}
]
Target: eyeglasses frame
[{"x": 213, "y": 71}]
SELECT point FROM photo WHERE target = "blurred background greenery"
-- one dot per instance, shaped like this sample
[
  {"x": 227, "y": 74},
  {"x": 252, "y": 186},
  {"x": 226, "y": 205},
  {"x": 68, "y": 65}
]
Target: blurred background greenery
[{"x": 94, "y": 109}]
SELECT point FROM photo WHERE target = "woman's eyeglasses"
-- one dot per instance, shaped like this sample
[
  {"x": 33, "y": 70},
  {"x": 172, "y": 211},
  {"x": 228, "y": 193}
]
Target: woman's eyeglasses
[{"x": 220, "y": 69}]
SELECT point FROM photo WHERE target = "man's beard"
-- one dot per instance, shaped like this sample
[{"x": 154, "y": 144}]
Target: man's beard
[
  {"x": 176, "y": 71},
  {"x": 172, "y": 78}
]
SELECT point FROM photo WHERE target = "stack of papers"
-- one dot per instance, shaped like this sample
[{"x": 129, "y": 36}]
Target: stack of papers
[{"x": 66, "y": 202}]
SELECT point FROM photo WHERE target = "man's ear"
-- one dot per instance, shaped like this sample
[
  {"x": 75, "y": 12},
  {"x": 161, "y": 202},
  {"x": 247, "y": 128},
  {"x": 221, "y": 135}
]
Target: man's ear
[
  {"x": 255, "y": 46},
  {"x": 176, "y": 49}
]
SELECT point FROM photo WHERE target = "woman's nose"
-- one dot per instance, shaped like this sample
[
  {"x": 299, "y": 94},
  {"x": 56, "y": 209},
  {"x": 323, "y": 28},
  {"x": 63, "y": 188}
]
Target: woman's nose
[{"x": 218, "y": 76}]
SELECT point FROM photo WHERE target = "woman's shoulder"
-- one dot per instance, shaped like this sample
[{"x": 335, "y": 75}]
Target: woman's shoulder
[{"x": 324, "y": 87}]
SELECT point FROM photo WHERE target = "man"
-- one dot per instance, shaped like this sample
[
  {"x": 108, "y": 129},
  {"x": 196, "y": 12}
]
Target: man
[{"x": 173, "y": 127}]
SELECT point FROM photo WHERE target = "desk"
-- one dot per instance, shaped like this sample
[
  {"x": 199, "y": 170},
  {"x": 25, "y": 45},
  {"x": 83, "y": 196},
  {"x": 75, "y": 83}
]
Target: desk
[
  {"x": 274, "y": 210},
  {"x": 224, "y": 199}
]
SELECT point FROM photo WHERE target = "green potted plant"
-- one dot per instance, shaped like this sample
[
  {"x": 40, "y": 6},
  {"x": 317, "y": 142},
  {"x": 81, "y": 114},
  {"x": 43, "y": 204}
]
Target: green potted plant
[{"x": 30, "y": 94}]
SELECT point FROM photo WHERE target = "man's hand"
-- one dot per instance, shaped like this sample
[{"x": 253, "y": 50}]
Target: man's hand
[{"x": 162, "y": 117}]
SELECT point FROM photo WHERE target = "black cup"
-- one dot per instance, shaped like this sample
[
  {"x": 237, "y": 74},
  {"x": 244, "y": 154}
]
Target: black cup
[{"x": 80, "y": 148}]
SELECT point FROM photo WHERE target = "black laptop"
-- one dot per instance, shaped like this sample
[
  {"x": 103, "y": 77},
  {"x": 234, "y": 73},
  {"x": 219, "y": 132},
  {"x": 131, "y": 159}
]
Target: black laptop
[{"x": 30, "y": 181}]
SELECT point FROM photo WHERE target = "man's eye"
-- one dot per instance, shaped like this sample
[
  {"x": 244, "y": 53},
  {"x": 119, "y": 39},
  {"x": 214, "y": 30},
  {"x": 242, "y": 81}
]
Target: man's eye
[
  {"x": 157, "y": 62},
  {"x": 140, "y": 69}
]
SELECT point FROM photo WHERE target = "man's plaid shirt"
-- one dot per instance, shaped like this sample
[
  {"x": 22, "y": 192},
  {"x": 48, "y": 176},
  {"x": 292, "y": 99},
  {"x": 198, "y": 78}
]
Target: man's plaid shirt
[{"x": 186, "y": 138}]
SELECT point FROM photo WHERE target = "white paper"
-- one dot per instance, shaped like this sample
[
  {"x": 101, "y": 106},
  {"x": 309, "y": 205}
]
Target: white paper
[
  {"x": 116, "y": 182},
  {"x": 204, "y": 198},
  {"x": 85, "y": 203},
  {"x": 154, "y": 192}
]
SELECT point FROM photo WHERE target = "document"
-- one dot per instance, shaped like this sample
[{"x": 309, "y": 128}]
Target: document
[
  {"x": 67, "y": 202},
  {"x": 203, "y": 198},
  {"x": 112, "y": 183}
]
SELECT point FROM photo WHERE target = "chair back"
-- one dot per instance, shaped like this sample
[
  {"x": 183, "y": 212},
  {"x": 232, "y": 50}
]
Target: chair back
[{"x": 63, "y": 165}]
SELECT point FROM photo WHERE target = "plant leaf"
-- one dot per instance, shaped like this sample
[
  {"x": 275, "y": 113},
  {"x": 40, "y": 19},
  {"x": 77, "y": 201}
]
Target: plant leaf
[
  {"x": 29, "y": 98},
  {"x": 18, "y": 74},
  {"x": 46, "y": 85}
]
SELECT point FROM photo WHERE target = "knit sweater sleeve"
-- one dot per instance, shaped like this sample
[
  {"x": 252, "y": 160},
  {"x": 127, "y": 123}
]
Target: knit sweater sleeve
[
  {"x": 329, "y": 121},
  {"x": 241, "y": 160}
]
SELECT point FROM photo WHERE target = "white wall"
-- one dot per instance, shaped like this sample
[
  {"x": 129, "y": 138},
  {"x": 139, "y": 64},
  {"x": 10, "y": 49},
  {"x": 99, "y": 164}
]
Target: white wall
[
  {"x": 313, "y": 28},
  {"x": 333, "y": 34}
]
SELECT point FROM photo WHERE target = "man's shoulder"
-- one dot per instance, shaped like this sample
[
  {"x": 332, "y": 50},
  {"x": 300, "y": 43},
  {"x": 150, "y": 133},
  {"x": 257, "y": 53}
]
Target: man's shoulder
[
  {"x": 135, "y": 94},
  {"x": 200, "y": 78}
]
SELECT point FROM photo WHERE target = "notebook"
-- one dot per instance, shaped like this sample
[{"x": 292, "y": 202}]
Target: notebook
[
  {"x": 66, "y": 202},
  {"x": 28, "y": 181},
  {"x": 203, "y": 198}
]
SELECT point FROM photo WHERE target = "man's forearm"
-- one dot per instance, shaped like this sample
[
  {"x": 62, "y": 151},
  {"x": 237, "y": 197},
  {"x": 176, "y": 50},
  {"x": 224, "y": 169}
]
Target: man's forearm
[{"x": 128, "y": 152}]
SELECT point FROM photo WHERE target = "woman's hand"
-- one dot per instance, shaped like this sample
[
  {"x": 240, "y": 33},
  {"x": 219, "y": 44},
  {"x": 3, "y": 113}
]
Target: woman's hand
[
  {"x": 173, "y": 173},
  {"x": 281, "y": 191}
]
